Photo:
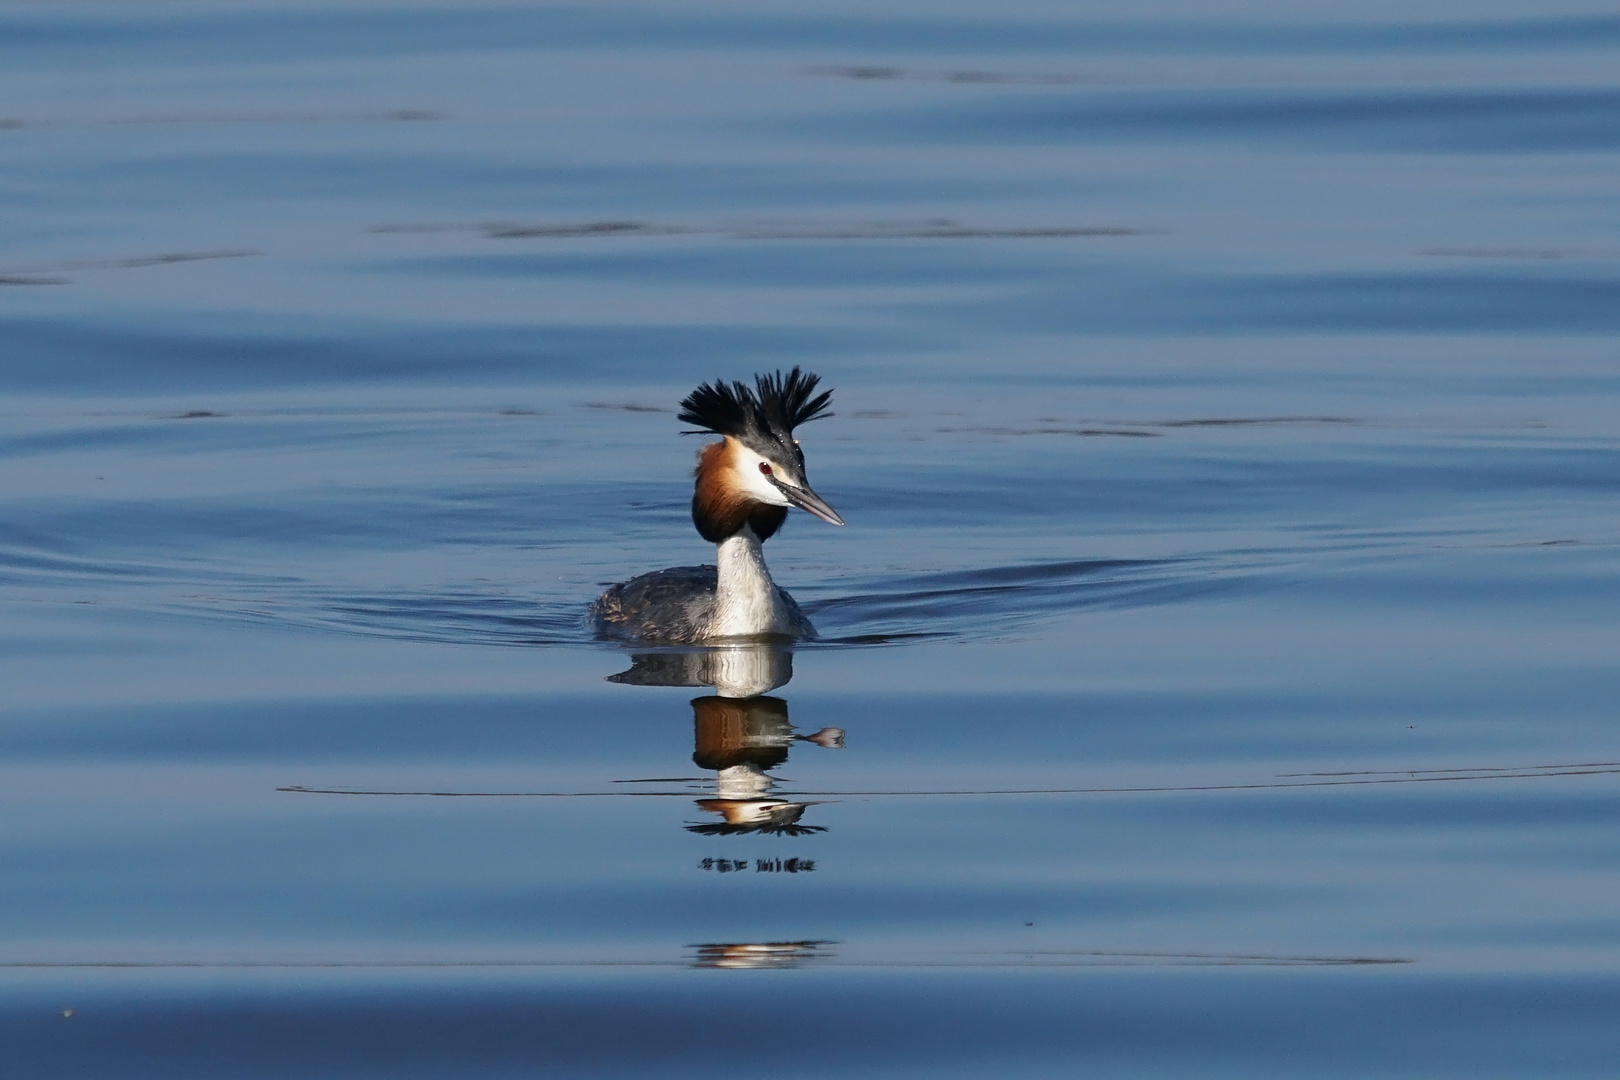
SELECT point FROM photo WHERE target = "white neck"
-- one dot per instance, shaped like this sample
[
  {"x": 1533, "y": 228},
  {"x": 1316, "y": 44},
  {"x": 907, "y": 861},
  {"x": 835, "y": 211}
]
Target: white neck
[{"x": 747, "y": 603}]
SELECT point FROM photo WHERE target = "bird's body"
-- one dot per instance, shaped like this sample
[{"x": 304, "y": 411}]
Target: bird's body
[
  {"x": 744, "y": 486},
  {"x": 685, "y": 605}
]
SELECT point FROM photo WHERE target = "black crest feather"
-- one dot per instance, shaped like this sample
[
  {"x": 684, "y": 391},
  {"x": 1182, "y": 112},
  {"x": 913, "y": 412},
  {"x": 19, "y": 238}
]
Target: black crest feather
[{"x": 766, "y": 412}]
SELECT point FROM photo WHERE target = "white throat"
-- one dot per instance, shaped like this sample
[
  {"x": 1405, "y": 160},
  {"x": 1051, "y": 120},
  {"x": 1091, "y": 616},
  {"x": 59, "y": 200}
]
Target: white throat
[{"x": 747, "y": 603}]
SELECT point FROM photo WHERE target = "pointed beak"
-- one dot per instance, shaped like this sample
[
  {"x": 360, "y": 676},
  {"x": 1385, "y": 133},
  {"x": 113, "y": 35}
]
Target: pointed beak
[{"x": 805, "y": 499}]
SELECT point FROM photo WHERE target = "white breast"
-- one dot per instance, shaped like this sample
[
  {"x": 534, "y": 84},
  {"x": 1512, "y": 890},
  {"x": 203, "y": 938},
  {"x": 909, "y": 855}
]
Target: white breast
[{"x": 747, "y": 602}]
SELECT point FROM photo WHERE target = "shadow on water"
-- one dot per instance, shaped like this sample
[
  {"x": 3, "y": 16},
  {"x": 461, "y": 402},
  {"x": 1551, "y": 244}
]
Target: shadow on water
[
  {"x": 769, "y": 955},
  {"x": 50, "y": 273},
  {"x": 900, "y": 229},
  {"x": 1470, "y": 120},
  {"x": 742, "y": 956},
  {"x": 226, "y": 119}
]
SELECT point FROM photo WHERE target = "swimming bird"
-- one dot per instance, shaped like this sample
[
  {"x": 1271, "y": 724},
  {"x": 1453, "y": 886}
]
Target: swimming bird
[{"x": 745, "y": 484}]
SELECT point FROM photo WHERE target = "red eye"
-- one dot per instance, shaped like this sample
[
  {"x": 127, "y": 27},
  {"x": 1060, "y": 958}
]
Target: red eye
[{"x": 765, "y": 467}]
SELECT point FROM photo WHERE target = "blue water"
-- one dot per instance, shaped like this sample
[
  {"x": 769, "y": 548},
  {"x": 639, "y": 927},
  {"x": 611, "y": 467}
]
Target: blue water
[{"x": 1222, "y": 642}]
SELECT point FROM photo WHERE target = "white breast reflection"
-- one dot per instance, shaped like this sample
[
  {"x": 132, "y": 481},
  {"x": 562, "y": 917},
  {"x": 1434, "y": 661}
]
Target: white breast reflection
[{"x": 735, "y": 671}]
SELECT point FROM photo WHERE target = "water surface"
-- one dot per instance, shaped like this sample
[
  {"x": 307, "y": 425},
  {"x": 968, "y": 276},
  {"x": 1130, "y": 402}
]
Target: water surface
[{"x": 1216, "y": 676}]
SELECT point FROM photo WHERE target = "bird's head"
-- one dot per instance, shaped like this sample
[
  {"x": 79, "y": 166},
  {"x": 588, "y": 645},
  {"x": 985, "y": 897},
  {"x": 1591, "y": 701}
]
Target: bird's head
[{"x": 756, "y": 471}]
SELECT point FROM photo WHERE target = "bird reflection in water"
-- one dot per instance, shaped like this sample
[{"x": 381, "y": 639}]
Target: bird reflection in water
[
  {"x": 760, "y": 954},
  {"x": 741, "y": 732},
  {"x": 742, "y": 740}
]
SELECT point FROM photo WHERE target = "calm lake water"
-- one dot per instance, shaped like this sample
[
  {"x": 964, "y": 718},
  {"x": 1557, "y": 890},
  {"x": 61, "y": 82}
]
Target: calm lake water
[{"x": 1223, "y": 641}]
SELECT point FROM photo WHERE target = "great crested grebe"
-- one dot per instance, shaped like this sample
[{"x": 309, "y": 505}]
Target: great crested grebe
[{"x": 745, "y": 484}]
